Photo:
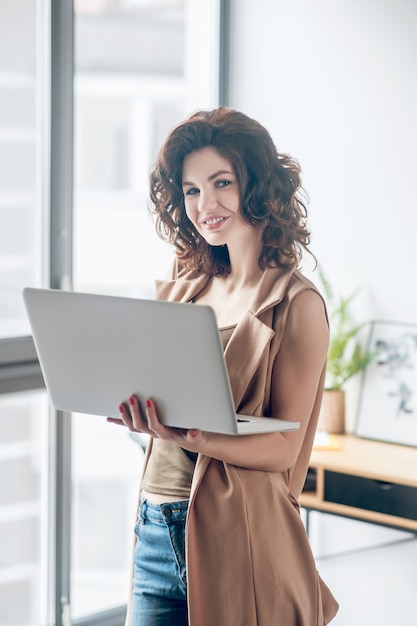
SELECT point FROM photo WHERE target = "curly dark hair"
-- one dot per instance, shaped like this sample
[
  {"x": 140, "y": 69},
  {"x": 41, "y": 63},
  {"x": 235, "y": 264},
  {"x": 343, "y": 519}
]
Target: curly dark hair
[{"x": 270, "y": 187}]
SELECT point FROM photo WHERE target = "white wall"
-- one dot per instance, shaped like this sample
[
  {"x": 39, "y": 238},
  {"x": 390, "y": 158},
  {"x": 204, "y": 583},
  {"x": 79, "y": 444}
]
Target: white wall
[{"x": 335, "y": 83}]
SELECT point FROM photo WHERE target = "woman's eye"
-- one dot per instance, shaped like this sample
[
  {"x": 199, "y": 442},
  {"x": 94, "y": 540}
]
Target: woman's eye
[
  {"x": 223, "y": 183},
  {"x": 191, "y": 192}
]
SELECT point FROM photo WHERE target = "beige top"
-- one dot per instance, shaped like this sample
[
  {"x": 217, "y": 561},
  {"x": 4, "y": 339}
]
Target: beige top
[{"x": 169, "y": 471}]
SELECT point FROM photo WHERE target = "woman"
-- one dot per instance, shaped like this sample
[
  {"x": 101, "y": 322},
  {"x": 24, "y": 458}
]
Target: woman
[{"x": 219, "y": 536}]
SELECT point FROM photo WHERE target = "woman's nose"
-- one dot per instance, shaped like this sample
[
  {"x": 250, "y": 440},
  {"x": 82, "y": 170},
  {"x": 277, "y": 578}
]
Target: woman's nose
[{"x": 207, "y": 199}]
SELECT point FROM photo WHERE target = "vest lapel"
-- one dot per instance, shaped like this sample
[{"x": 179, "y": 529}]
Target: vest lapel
[
  {"x": 255, "y": 330},
  {"x": 241, "y": 362}
]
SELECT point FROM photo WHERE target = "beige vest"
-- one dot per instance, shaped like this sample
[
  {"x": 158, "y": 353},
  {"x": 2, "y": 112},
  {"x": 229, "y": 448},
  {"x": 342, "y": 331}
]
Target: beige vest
[{"x": 249, "y": 562}]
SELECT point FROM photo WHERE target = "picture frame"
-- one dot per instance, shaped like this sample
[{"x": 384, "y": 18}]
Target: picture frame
[{"x": 387, "y": 409}]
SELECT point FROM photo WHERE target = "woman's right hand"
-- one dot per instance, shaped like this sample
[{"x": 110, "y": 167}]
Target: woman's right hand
[{"x": 131, "y": 416}]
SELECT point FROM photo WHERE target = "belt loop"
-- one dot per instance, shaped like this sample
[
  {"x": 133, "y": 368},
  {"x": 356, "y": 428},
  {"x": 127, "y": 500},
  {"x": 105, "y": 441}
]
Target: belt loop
[{"x": 142, "y": 510}]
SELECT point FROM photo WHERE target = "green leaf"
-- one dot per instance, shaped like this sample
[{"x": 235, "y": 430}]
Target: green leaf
[{"x": 346, "y": 356}]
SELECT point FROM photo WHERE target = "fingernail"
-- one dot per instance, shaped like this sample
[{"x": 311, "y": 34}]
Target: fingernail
[
  {"x": 148, "y": 404},
  {"x": 132, "y": 401},
  {"x": 121, "y": 408}
]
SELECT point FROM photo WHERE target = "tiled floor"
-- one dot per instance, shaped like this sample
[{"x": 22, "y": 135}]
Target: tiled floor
[{"x": 371, "y": 570}]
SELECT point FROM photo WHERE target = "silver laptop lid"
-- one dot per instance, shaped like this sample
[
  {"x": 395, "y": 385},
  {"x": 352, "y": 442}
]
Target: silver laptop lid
[{"x": 95, "y": 351}]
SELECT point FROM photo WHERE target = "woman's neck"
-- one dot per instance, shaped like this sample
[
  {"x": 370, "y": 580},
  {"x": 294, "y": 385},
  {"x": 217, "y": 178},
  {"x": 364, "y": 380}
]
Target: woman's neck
[
  {"x": 241, "y": 278},
  {"x": 244, "y": 267}
]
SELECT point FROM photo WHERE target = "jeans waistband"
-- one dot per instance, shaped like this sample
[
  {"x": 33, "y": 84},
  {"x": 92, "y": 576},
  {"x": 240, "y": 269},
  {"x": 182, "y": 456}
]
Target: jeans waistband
[{"x": 167, "y": 512}]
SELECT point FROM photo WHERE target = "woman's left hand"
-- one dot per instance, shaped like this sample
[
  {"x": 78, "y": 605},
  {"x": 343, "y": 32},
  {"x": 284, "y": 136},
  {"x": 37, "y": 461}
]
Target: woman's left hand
[{"x": 131, "y": 416}]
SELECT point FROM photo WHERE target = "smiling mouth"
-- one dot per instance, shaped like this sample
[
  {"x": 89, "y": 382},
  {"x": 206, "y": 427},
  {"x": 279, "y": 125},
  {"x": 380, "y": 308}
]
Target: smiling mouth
[{"x": 213, "y": 220}]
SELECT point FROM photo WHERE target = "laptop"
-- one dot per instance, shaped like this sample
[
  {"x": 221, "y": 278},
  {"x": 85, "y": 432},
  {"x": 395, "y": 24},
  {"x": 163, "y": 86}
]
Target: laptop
[{"x": 95, "y": 351}]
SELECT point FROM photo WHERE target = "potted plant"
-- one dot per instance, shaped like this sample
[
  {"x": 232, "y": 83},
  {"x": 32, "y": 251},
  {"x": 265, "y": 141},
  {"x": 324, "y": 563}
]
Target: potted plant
[{"x": 345, "y": 358}]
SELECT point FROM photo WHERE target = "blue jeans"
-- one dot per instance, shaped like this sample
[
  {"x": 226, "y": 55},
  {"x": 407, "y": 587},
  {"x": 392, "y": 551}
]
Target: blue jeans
[{"x": 160, "y": 580}]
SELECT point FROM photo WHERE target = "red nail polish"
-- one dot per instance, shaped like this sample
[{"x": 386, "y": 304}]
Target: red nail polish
[
  {"x": 132, "y": 401},
  {"x": 121, "y": 408},
  {"x": 148, "y": 404}
]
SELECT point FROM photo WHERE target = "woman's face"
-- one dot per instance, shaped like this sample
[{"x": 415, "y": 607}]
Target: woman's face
[{"x": 212, "y": 197}]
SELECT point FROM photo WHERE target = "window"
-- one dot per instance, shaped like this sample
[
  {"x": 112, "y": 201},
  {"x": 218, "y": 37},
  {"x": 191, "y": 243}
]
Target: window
[
  {"x": 24, "y": 415},
  {"x": 24, "y": 494},
  {"x": 81, "y": 119},
  {"x": 20, "y": 156}
]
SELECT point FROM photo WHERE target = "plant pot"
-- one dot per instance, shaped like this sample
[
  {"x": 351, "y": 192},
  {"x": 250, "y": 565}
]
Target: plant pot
[{"x": 332, "y": 412}]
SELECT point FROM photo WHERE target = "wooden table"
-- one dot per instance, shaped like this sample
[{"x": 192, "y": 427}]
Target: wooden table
[{"x": 365, "y": 480}]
